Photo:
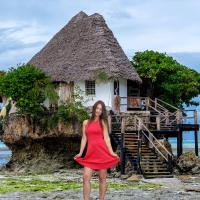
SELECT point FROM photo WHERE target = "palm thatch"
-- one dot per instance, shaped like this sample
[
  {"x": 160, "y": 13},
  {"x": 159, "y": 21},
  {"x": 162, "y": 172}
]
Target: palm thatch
[{"x": 83, "y": 46}]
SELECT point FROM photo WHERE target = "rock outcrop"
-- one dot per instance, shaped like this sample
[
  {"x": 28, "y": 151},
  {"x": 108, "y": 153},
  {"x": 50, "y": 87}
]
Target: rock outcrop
[
  {"x": 167, "y": 146},
  {"x": 37, "y": 150},
  {"x": 189, "y": 163}
]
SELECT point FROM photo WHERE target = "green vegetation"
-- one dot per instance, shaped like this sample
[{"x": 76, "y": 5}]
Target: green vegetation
[
  {"x": 2, "y": 74},
  {"x": 71, "y": 110},
  {"x": 101, "y": 77},
  {"x": 164, "y": 78},
  {"x": 32, "y": 184},
  {"x": 28, "y": 87},
  {"x": 8, "y": 107},
  {"x": 36, "y": 185}
]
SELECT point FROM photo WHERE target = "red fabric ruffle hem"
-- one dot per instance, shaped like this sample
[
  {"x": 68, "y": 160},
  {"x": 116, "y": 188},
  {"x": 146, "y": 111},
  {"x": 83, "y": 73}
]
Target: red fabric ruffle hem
[{"x": 97, "y": 156}]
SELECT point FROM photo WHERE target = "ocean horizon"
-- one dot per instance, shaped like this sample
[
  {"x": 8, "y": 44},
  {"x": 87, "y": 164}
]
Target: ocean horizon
[{"x": 188, "y": 145}]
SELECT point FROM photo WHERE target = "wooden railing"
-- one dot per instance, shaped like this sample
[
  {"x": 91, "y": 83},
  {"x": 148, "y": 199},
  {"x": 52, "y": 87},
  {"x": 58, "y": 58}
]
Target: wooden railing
[
  {"x": 140, "y": 129},
  {"x": 188, "y": 115},
  {"x": 182, "y": 115},
  {"x": 163, "y": 116}
]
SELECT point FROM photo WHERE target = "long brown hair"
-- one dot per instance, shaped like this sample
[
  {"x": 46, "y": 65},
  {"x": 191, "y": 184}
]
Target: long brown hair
[{"x": 103, "y": 117}]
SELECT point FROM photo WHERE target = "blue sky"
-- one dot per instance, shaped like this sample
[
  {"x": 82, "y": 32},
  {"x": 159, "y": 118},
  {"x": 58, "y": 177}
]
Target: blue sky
[{"x": 170, "y": 26}]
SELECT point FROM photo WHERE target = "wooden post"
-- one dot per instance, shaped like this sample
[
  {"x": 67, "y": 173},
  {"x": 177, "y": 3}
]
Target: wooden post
[
  {"x": 109, "y": 124},
  {"x": 195, "y": 117},
  {"x": 147, "y": 103},
  {"x": 178, "y": 141},
  {"x": 147, "y": 120},
  {"x": 179, "y": 144},
  {"x": 179, "y": 116},
  {"x": 122, "y": 155},
  {"x": 196, "y": 142},
  {"x": 140, "y": 124},
  {"x": 167, "y": 117},
  {"x": 158, "y": 122},
  {"x": 170, "y": 165},
  {"x": 123, "y": 128},
  {"x": 156, "y": 103},
  {"x": 139, "y": 156},
  {"x": 135, "y": 123}
]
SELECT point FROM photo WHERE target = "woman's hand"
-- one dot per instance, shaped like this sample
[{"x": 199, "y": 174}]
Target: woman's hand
[
  {"x": 114, "y": 154},
  {"x": 77, "y": 156}
]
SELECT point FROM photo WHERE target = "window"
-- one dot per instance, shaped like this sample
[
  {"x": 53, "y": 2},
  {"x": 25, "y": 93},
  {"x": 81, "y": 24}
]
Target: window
[
  {"x": 115, "y": 87},
  {"x": 90, "y": 87}
]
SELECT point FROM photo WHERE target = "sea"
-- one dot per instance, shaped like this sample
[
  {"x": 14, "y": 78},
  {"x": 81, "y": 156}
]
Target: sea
[
  {"x": 188, "y": 145},
  {"x": 5, "y": 153}
]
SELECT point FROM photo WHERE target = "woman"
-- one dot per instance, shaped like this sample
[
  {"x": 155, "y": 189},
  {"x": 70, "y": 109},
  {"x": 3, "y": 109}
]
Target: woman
[{"x": 99, "y": 155}]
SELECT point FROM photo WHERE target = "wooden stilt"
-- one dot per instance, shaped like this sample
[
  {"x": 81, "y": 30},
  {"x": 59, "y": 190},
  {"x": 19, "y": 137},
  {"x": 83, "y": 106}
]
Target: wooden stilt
[
  {"x": 196, "y": 142},
  {"x": 179, "y": 143},
  {"x": 122, "y": 156}
]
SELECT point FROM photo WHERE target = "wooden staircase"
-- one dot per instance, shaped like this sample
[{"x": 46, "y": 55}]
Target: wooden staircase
[
  {"x": 151, "y": 165},
  {"x": 154, "y": 122}
]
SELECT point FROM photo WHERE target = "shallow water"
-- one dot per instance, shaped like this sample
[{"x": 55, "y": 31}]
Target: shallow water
[
  {"x": 5, "y": 154},
  {"x": 188, "y": 145},
  {"x": 4, "y": 157}
]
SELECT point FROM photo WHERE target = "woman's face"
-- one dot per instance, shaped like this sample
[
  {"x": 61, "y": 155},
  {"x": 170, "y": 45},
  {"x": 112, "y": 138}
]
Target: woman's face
[{"x": 98, "y": 110}]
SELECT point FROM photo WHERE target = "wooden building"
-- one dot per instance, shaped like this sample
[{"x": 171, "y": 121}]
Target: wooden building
[{"x": 80, "y": 51}]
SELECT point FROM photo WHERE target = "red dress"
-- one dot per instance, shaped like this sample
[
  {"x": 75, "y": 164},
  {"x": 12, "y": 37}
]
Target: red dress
[{"x": 97, "y": 155}]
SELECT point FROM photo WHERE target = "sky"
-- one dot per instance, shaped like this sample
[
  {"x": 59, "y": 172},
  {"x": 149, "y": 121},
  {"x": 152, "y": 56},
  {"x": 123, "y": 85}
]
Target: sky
[{"x": 166, "y": 26}]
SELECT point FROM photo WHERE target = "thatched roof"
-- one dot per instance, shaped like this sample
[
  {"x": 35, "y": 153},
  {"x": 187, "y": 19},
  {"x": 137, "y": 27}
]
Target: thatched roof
[{"x": 84, "y": 45}]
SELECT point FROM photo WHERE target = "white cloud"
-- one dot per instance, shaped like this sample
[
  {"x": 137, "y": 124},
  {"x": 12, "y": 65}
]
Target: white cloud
[
  {"x": 169, "y": 26},
  {"x": 8, "y": 24},
  {"x": 12, "y": 58},
  {"x": 189, "y": 59},
  {"x": 29, "y": 34},
  {"x": 25, "y": 32},
  {"x": 164, "y": 26}
]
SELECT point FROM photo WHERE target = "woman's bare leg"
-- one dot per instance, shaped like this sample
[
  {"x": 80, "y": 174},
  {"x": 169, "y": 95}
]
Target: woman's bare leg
[
  {"x": 87, "y": 174},
  {"x": 102, "y": 183}
]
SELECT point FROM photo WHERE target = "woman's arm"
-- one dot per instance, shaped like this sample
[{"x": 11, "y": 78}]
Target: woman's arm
[
  {"x": 107, "y": 139},
  {"x": 83, "y": 141}
]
